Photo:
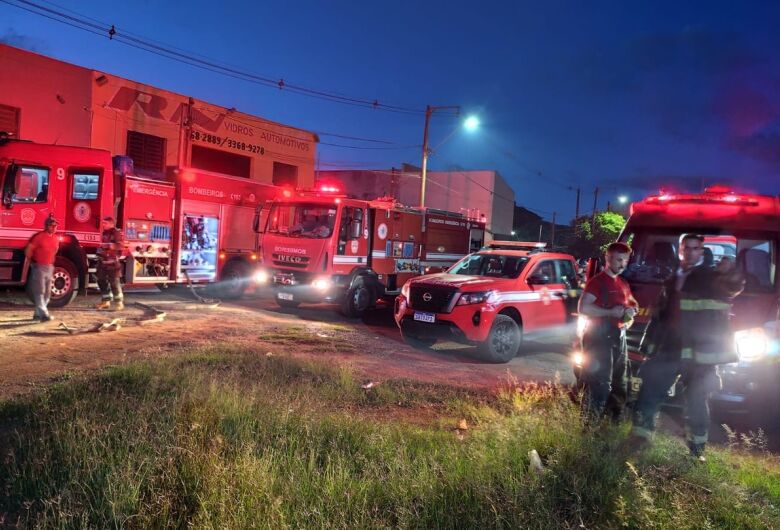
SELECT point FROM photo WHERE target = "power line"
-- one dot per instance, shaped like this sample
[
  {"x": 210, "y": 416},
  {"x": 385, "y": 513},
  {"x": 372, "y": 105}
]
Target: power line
[{"x": 91, "y": 25}]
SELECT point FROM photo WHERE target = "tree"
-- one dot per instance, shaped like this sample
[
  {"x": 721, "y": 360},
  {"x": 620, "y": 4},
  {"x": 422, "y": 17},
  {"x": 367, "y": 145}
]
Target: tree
[{"x": 589, "y": 241}]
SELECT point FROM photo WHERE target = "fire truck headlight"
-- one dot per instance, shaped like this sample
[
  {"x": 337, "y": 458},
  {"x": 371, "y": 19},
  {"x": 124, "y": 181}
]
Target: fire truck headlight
[
  {"x": 751, "y": 344},
  {"x": 582, "y": 325},
  {"x": 578, "y": 358},
  {"x": 321, "y": 284},
  {"x": 261, "y": 277},
  {"x": 405, "y": 290}
]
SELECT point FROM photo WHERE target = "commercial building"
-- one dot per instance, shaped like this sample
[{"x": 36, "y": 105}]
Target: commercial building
[
  {"x": 473, "y": 193},
  {"x": 50, "y": 101}
]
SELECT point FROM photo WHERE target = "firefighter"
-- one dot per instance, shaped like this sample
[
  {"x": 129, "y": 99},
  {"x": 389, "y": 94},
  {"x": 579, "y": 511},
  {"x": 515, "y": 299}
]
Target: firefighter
[
  {"x": 610, "y": 307},
  {"x": 111, "y": 247},
  {"x": 41, "y": 251},
  {"x": 688, "y": 338}
]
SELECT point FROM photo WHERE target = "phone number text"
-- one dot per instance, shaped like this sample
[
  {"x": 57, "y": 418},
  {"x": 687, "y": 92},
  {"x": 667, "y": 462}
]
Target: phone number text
[{"x": 229, "y": 142}]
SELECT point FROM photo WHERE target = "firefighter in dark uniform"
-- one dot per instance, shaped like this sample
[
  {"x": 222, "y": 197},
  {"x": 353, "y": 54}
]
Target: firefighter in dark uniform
[
  {"x": 610, "y": 307},
  {"x": 688, "y": 338},
  {"x": 108, "y": 268}
]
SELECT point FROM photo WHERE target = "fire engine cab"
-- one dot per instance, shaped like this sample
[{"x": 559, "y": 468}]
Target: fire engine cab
[
  {"x": 490, "y": 298},
  {"x": 192, "y": 228},
  {"x": 320, "y": 246},
  {"x": 743, "y": 229}
]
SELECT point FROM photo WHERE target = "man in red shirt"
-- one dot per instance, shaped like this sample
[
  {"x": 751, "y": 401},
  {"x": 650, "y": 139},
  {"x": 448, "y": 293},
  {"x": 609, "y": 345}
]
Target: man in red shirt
[
  {"x": 41, "y": 251},
  {"x": 610, "y": 307}
]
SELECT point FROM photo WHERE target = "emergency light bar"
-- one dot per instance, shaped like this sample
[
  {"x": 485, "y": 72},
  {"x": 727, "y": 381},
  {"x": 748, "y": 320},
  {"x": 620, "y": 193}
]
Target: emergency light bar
[
  {"x": 516, "y": 245},
  {"x": 711, "y": 195}
]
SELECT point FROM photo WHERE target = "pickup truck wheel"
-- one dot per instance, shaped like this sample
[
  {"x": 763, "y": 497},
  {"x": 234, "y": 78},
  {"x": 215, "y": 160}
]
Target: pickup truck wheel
[
  {"x": 232, "y": 282},
  {"x": 503, "y": 340},
  {"x": 65, "y": 282},
  {"x": 357, "y": 300},
  {"x": 416, "y": 342}
]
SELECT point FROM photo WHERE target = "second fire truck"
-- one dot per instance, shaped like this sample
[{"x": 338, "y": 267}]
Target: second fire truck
[{"x": 323, "y": 247}]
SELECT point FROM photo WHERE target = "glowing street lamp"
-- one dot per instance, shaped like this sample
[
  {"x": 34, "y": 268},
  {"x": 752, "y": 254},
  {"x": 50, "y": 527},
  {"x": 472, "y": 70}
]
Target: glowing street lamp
[
  {"x": 623, "y": 199},
  {"x": 471, "y": 124}
]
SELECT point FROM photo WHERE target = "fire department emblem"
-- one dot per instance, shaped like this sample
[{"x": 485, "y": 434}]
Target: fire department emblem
[
  {"x": 546, "y": 298},
  {"x": 381, "y": 231},
  {"x": 28, "y": 216},
  {"x": 354, "y": 246},
  {"x": 427, "y": 297},
  {"x": 252, "y": 197},
  {"x": 82, "y": 212}
]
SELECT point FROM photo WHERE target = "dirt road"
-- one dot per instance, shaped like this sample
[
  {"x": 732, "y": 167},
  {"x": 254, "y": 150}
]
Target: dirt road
[{"x": 33, "y": 353}]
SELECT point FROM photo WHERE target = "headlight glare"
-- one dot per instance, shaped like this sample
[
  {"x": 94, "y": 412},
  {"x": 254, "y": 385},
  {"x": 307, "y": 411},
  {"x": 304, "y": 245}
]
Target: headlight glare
[
  {"x": 751, "y": 344},
  {"x": 261, "y": 277},
  {"x": 578, "y": 358},
  {"x": 582, "y": 325},
  {"x": 321, "y": 284}
]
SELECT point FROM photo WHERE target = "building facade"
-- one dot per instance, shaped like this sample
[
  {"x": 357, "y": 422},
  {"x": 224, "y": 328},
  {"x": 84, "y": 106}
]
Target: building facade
[
  {"x": 50, "y": 101},
  {"x": 473, "y": 193}
]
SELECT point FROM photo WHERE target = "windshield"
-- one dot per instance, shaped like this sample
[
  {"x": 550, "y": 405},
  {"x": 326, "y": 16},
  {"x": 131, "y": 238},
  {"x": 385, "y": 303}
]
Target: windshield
[
  {"x": 302, "y": 220},
  {"x": 655, "y": 256},
  {"x": 491, "y": 265}
]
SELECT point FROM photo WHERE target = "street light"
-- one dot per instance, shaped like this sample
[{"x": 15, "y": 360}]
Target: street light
[
  {"x": 623, "y": 199},
  {"x": 470, "y": 124}
]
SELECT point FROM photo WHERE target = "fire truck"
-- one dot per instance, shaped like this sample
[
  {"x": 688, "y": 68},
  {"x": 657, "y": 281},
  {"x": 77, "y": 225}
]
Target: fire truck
[
  {"x": 744, "y": 229},
  {"x": 194, "y": 227},
  {"x": 324, "y": 247}
]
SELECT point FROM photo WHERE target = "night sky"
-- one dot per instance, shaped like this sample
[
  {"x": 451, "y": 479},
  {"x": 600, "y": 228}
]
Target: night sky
[{"x": 627, "y": 96}]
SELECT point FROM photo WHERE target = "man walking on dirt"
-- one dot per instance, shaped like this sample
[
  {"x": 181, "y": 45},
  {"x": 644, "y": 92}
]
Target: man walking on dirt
[
  {"x": 42, "y": 251},
  {"x": 689, "y": 337},
  {"x": 111, "y": 247},
  {"x": 610, "y": 307}
]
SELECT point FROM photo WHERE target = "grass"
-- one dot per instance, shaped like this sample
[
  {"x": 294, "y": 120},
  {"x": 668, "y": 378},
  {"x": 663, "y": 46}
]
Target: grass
[{"x": 230, "y": 438}]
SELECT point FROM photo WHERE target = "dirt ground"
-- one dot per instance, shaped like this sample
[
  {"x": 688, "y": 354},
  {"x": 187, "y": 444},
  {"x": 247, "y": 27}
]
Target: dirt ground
[{"x": 34, "y": 353}]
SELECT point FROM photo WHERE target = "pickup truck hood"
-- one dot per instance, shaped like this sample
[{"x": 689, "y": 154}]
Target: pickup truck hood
[{"x": 463, "y": 282}]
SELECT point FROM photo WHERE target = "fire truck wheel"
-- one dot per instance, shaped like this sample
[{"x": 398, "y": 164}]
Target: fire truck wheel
[
  {"x": 65, "y": 282},
  {"x": 357, "y": 300},
  {"x": 417, "y": 343},
  {"x": 503, "y": 341},
  {"x": 232, "y": 284}
]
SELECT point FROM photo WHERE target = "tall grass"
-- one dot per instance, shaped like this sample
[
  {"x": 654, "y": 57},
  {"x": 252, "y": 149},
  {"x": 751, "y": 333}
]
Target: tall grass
[{"x": 233, "y": 439}]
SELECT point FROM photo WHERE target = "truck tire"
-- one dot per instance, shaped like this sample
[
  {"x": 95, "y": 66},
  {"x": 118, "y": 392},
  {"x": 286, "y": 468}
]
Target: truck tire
[
  {"x": 232, "y": 282},
  {"x": 503, "y": 341},
  {"x": 416, "y": 342},
  {"x": 65, "y": 283},
  {"x": 357, "y": 300}
]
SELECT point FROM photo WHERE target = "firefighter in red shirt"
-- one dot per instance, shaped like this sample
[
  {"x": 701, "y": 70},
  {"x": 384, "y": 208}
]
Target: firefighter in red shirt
[
  {"x": 41, "y": 251},
  {"x": 112, "y": 244},
  {"x": 610, "y": 307}
]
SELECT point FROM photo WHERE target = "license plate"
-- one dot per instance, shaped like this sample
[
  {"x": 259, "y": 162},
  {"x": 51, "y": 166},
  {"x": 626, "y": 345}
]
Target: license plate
[
  {"x": 424, "y": 317},
  {"x": 284, "y": 296}
]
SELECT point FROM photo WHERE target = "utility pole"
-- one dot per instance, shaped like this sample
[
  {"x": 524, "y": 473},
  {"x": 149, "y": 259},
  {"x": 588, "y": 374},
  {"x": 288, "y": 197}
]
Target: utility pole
[
  {"x": 540, "y": 232},
  {"x": 552, "y": 237},
  {"x": 595, "y": 204},
  {"x": 577, "y": 206},
  {"x": 429, "y": 110}
]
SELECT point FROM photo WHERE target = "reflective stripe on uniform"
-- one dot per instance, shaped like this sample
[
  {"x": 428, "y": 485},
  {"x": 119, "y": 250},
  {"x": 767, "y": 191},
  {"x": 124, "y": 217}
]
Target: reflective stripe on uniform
[
  {"x": 686, "y": 353},
  {"x": 703, "y": 304}
]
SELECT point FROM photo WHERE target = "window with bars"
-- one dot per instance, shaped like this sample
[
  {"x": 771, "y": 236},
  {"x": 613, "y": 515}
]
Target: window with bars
[
  {"x": 9, "y": 120},
  {"x": 147, "y": 151}
]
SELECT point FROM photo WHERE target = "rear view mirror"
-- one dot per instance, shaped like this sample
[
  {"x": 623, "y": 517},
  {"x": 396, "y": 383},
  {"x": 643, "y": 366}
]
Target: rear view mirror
[
  {"x": 538, "y": 279},
  {"x": 256, "y": 220}
]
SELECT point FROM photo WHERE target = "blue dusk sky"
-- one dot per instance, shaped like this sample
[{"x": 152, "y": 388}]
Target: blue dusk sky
[{"x": 627, "y": 96}]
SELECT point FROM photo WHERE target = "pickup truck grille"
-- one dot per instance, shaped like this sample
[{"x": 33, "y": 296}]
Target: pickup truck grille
[{"x": 440, "y": 298}]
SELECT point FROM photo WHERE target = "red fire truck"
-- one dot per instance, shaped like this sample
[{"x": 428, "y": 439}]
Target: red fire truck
[
  {"x": 738, "y": 227},
  {"x": 323, "y": 247},
  {"x": 194, "y": 227}
]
